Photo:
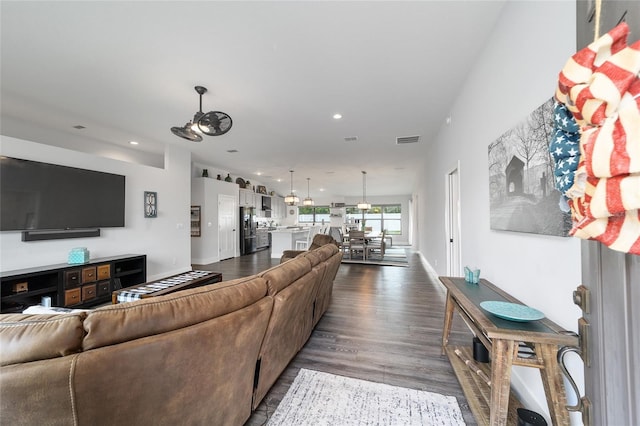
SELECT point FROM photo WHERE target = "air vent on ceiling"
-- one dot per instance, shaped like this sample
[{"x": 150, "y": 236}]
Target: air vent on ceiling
[
  {"x": 407, "y": 139},
  {"x": 231, "y": 151},
  {"x": 350, "y": 138},
  {"x": 338, "y": 204},
  {"x": 79, "y": 127}
]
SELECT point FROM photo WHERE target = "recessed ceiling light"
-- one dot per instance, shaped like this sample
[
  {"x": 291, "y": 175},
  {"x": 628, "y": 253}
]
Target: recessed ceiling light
[
  {"x": 259, "y": 173},
  {"x": 337, "y": 116},
  {"x": 133, "y": 142}
]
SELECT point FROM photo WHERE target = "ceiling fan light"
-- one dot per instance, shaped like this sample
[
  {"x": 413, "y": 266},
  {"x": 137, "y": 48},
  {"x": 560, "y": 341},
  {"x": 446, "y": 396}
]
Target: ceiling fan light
[{"x": 364, "y": 206}]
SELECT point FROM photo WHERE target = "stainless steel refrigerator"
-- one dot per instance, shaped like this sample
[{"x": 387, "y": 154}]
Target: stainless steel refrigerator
[{"x": 248, "y": 227}]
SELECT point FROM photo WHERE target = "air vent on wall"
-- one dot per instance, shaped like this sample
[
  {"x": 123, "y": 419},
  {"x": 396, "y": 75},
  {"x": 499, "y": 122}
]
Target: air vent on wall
[
  {"x": 350, "y": 138},
  {"x": 338, "y": 204},
  {"x": 407, "y": 139}
]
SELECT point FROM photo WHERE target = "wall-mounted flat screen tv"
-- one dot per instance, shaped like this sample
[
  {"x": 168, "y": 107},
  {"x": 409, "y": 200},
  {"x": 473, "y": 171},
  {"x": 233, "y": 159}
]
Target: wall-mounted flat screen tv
[{"x": 41, "y": 196}]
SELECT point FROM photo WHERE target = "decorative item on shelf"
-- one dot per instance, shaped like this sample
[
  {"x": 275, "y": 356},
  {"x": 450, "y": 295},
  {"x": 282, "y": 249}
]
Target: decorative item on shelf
[
  {"x": 308, "y": 201},
  {"x": 471, "y": 275},
  {"x": 20, "y": 287},
  {"x": 262, "y": 189},
  {"x": 241, "y": 183},
  {"x": 247, "y": 184},
  {"x": 364, "y": 205},
  {"x": 272, "y": 193},
  {"x": 511, "y": 311},
  {"x": 150, "y": 204},
  {"x": 228, "y": 178},
  {"x": 291, "y": 199},
  {"x": 219, "y": 177},
  {"x": 212, "y": 123},
  {"x": 78, "y": 255},
  {"x": 205, "y": 173}
]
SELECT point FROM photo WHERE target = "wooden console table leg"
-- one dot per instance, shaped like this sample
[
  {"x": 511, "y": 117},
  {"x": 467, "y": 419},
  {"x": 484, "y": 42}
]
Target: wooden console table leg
[
  {"x": 502, "y": 353},
  {"x": 448, "y": 317},
  {"x": 553, "y": 385}
]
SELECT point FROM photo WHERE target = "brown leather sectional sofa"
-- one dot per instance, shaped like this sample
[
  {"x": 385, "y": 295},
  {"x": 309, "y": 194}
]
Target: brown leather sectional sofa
[{"x": 205, "y": 356}]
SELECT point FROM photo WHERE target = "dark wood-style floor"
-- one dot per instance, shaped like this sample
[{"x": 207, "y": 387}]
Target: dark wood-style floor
[{"x": 384, "y": 325}]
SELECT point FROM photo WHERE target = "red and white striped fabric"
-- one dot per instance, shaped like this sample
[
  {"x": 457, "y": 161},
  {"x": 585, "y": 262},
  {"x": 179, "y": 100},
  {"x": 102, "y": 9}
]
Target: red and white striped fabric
[
  {"x": 580, "y": 67},
  {"x": 601, "y": 87}
]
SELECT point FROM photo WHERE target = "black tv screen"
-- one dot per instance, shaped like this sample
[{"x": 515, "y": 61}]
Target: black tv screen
[{"x": 41, "y": 196}]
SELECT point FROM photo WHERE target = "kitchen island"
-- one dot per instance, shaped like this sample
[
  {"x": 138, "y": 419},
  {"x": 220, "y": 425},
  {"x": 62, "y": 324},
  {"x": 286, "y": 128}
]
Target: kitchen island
[{"x": 285, "y": 239}]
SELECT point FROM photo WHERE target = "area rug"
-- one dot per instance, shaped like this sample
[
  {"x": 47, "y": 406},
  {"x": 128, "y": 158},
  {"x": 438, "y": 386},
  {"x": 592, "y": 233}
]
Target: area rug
[
  {"x": 392, "y": 257},
  {"x": 317, "y": 398}
]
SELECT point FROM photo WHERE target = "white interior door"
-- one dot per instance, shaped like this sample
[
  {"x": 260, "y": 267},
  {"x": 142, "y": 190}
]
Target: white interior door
[
  {"x": 227, "y": 224},
  {"x": 453, "y": 241}
]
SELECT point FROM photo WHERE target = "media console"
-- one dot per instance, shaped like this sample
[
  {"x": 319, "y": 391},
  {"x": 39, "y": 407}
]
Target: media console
[{"x": 77, "y": 286}]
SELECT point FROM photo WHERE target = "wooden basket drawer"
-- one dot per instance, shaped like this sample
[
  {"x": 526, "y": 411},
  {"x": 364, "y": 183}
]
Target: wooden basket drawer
[
  {"x": 89, "y": 274},
  {"x": 72, "y": 297},
  {"x": 88, "y": 292},
  {"x": 104, "y": 272},
  {"x": 103, "y": 288},
  {"x": 72, "y": 278}
]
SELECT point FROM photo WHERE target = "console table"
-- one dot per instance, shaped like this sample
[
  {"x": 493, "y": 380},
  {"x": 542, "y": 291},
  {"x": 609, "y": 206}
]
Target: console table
[
  {"x": 505, "y": 340},
  {"x": 70, "y": 285},
  {"x": 167, "y": 285}
]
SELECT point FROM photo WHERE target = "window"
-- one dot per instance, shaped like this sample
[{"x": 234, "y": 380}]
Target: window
[
  {"x": 378, "y": 217},
  {"x": 313, "y": 214}
]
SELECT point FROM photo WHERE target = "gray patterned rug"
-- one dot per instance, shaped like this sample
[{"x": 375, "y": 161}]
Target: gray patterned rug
[
  {"x": 317, "y": 398},
  {"x": 396, "y": 256}
]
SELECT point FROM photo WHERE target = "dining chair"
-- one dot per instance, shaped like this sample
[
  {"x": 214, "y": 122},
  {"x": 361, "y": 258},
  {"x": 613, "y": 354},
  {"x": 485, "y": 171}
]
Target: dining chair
[
  {"x": 377, "y": 246},
  {"x": 304, "y": 243},
  {"x": 357, "y": 244}
]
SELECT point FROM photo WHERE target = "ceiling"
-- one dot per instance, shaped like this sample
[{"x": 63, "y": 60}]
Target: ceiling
[{"x": 127, "y": 70}]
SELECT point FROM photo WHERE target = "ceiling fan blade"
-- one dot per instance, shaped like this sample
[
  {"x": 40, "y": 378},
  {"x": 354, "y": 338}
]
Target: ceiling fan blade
[
  {"x": 215, "y": 123},
  {"x": 186, "y": 133}
]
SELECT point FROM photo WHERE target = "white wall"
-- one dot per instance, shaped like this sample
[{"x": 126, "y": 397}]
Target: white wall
[
  {"x": 514, "y": 74},
  {"x": 204, "y": 192},
  {"x": 165, "y": 239}
]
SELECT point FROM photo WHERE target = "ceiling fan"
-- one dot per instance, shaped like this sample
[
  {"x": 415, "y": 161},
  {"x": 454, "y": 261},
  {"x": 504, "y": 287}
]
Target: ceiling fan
[{"x": 212, "y": 123}]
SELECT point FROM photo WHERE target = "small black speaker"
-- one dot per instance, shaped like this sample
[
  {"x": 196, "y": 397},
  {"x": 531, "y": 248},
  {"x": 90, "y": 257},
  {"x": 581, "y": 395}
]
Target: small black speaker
[{"x": 480, "y": 353}]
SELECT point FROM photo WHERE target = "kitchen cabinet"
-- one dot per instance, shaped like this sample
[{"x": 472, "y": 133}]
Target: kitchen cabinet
[
  {"x": 278, "y": 208},
  {"x": 247, "y": 198},
  {"x": 262, "y": 238}
]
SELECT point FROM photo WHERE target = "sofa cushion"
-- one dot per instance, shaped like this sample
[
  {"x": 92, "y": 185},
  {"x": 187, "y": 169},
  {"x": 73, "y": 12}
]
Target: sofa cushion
[
  {"x": 127, "y": 321},
  {"x": 326, "y": 251},
  {"x": 280, "y": 276},
  {"x": 25, "y": 338}
]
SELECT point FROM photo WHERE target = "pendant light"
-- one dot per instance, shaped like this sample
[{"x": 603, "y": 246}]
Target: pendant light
[
  {"x": 364, "y": 205},
  {"x": 308, "y": 201},
  {"x": 291, "y": 199}
]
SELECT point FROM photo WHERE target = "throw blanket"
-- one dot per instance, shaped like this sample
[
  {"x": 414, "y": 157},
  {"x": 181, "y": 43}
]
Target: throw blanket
[{"x": 599, "y": 88}]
